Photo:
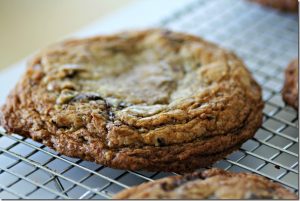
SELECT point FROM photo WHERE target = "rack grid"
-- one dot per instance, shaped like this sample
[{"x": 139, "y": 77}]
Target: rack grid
[{"x": 264, "y": 38}]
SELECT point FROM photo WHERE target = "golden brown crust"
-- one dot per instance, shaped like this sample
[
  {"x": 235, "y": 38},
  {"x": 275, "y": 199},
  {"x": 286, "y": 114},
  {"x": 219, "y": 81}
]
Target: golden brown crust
[
  {"x": 290, "y": 88},
  {"x": 209, "y": 184},
  {"x": 155, "y": 100},
  {"x": 284, "y": 5}
]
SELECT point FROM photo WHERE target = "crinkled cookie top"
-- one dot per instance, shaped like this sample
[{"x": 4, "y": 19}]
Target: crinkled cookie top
[{"x": 154, "y": 87}]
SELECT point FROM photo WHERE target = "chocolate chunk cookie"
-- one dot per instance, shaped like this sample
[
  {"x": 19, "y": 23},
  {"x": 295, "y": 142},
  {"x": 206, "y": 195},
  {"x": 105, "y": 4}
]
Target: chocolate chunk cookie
[
  {"x": 290, "y": 88},
  {"x": 209, "y": 184},
  {"x": 284, "y": 5},
  {"x": 153, "y": 99}
]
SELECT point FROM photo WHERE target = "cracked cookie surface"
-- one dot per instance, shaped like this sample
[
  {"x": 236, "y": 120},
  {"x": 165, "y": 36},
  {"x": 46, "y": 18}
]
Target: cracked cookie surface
[
  {"x": 209, "y": 184},
  {"x": 153, "y": 99}
]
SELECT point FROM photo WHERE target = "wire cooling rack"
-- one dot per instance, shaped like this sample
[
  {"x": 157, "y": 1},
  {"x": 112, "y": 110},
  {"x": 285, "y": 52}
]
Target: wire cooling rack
[{"x": 266, "y": 40}]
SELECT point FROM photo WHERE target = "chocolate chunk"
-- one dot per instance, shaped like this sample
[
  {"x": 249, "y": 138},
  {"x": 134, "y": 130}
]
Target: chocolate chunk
[
  {"x": 82, "y": 139},
  {"x": 122, "y": 105},
  {"x": 161, "y": 142},
  {"x": 166, "y": 186},
  {"x": 210, "y": 117}
]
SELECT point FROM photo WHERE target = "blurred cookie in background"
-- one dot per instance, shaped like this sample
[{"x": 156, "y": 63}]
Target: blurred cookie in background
[
  {"x": 283, "y": 5},
  {"x": 290, "y": 88},
  {"x": 209, "y": 184}
]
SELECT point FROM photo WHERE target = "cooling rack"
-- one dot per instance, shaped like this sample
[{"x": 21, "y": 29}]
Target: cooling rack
[{"x": 264, "y": 38}]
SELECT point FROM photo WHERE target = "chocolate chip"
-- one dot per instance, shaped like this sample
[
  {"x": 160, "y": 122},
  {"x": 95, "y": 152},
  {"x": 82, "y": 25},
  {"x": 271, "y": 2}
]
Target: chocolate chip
[
  {"x": 161, "y": 142},
  {"x": 178, "y": 182},
  {"x": 196, "y": 105},
  {"x": 82, "y": 139},
  {"x": 58, "y": 125},
  {"x": 183, "y": 180},
  {"x": 193, "y": 176},
  {"x": 70, "y": 74},
  {"x": 165, "y": 186},
  {"x": 121, "y": 105},
  {"x": 210, "y": 117},
  {"x": 111, "y": 115}
]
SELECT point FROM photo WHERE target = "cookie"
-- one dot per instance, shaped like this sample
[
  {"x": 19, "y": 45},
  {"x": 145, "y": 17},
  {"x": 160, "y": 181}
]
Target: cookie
[
  {"x": 155, "y": 100},
  {"x": 290, "y": 88},
  {"x": 210, "y": 184},
  {"x": 283, "y": 5}
]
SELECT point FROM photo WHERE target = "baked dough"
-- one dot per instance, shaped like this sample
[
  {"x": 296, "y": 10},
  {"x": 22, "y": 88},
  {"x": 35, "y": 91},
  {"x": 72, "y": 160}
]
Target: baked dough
[
  {"x": 210, "y": 184},
  {"x": 290, "y": 88},
  {"x": 155, "y": 100}
]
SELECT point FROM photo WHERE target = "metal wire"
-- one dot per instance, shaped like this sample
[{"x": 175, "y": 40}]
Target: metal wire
[{"x": 264, "y": 38}]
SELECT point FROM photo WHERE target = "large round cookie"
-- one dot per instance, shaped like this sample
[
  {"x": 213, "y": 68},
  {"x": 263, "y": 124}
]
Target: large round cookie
[
  {"x": 290, "y": 88},
  {"x": 284, "y": 5},
  {"x": 210, "y": 184},
  {"x": 154, "y": 99}
]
